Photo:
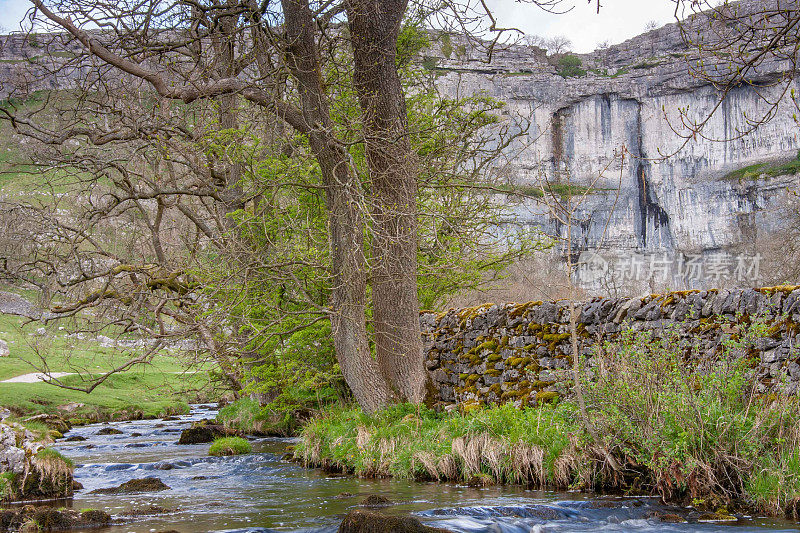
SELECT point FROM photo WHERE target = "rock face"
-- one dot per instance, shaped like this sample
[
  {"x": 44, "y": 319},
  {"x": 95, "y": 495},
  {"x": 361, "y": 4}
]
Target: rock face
[
  {"x": 610, "y": 130},
  {"x": 522, "y": 353}
]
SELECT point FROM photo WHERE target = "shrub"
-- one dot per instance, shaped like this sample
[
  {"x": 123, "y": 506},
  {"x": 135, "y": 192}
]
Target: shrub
[
  {"x": 695, "y": 427},
  {"x": 282, "y": 417},
  {"x": 570, "y": 66},
  {"x": 229, "y": 446}
]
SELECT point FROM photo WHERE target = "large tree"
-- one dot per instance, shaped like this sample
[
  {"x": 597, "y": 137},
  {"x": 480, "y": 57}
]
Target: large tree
[{"x": 198, "y": 98}]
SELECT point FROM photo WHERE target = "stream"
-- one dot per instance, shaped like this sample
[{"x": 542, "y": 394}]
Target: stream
[{"x": 261, "y": 492}]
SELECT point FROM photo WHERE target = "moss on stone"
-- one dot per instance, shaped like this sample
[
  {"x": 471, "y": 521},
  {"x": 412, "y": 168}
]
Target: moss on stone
[
  {"x": 495, "y": 357},
  {"x": 471, "y": 312},
  {"x": 546, "y": 396},
  {"x": 785, "y": 289},
  {"x": 522, "y": 309},
  {"x": 535, "y": 328}
]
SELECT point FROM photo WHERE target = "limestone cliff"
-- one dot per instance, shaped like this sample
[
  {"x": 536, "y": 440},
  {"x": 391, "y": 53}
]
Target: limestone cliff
[{"x": 628, "y": 103}]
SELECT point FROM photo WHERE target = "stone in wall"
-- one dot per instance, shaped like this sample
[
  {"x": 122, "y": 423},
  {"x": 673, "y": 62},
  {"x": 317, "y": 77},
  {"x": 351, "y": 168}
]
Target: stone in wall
[{"x": 522, "y": 353}]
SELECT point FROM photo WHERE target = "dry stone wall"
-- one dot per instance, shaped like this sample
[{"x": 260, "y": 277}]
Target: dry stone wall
[{"x": 521, "y": 353}]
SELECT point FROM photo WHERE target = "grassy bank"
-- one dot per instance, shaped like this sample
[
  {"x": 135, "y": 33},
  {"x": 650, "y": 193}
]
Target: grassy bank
[
  {"x": 157, "y": 389},
  {"x": 692, "y": 431},
  {"x": 283, "y": 417}
]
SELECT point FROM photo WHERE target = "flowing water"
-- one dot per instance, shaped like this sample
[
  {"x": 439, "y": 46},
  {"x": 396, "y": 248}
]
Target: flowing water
[{"x": 261, "y": 492}]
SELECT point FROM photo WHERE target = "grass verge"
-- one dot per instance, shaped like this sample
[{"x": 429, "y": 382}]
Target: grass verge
[{"x": 758, "y": 170}]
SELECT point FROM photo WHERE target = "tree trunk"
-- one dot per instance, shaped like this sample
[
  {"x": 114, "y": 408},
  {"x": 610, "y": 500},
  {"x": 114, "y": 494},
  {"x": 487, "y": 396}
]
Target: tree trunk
[
  {"x": 346, "y": 222},
  {"x": 374, "y": 28}
]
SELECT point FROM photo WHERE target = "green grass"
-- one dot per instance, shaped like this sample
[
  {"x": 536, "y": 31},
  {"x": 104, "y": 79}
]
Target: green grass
[
  {"x": 501, "y": 444},
  {"x": 229, "y": 446},
  {"x": 758, "y": 170},
  {"x": 604, "y": 72},
  {"x": 155, "y": 389},
  {"x": 7, "y": 485},
  {"x": 649, "y": 63},
  {"x": 51, "y": 454}
]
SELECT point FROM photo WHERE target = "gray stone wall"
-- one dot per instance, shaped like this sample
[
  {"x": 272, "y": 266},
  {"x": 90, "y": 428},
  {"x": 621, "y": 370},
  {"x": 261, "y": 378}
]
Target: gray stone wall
[{"x": 521, "y": 353}]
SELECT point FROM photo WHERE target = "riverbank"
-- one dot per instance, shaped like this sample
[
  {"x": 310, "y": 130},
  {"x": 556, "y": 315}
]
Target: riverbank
[
  {"x": 263, "y": 492},
  {"x": 693, "y": 433}
]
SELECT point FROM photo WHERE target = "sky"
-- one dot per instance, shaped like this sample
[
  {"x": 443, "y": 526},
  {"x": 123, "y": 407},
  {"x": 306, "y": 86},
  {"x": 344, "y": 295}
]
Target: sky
[{"x": 618, "y": 19}]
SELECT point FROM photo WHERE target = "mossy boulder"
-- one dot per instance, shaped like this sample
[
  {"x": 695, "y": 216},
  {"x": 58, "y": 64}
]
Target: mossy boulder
[
  {"x": 362, "y": 521},
  {"x": 54, "y": 422},
  {"x": 148, "y": 484},
  {"x": 205, "y": 431},
  {"x": 109, "y": 431},
  {"x": 375, "y": 500},
  {"x": 51, "y": 519}
]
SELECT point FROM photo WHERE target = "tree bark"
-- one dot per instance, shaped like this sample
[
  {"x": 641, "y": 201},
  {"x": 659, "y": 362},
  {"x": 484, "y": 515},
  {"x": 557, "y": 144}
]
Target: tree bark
[
  {"x": 374, "y": 28},
  {"x": 346, "y": 221}
]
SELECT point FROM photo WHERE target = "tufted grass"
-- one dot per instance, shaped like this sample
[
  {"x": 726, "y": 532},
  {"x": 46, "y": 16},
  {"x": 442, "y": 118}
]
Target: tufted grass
[
  {"x": 229, "y": 446},
  {"x": 493, "y": 445}
]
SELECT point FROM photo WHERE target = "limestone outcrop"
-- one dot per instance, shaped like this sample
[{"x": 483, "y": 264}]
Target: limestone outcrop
[{"x": 28, "y": 468}]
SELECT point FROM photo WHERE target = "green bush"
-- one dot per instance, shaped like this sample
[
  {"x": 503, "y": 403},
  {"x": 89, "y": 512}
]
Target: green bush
[
  {"x": 282, "y": 417},
  {"x": 570, "y": 66},
  {"x": 229, "y": 446},
  {"x": 695, "y": 427}
]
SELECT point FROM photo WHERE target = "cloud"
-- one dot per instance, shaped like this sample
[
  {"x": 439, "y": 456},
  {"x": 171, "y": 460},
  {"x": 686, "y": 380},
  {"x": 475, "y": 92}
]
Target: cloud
[
  {"x": 617, "y": 21},
  {"x": 13, "y": 12}
]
